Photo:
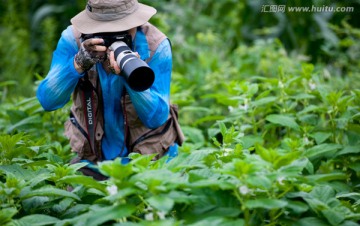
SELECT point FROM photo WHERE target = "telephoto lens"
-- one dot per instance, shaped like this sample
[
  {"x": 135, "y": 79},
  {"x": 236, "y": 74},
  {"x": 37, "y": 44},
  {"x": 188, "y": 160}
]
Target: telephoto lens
[{"x": 138, "y": 74}]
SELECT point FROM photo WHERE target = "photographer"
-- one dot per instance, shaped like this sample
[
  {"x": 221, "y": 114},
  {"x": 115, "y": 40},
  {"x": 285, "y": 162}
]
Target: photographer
[{"x": 106, "y": 111}]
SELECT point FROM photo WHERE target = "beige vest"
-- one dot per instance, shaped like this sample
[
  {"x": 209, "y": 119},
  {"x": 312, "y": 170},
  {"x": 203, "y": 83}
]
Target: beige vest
[{"x": 79, "y": 143}]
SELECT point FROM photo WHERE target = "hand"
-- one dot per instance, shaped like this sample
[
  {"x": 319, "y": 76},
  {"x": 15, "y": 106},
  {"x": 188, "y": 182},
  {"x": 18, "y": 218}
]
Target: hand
[
  {"x": 113, "y": 66},
  {"x": 91, "y": 51}
]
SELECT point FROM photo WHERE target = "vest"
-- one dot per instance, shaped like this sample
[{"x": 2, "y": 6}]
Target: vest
[{"x": 76, "y": 128}]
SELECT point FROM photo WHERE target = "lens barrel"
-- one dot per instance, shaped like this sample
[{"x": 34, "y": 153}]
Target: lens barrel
[{"x": 138, "y": 74}]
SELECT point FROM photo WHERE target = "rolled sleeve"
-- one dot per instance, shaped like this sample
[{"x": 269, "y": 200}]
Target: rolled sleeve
[{"x": 55, "y": 90}]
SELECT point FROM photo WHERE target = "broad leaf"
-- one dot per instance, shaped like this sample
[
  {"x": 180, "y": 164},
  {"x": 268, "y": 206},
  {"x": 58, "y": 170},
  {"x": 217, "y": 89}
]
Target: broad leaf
[
  {"x": 283, "y": 120},
  {"x": 6, "y": 215},
  {"x": 322, "y": 150},
  {"x": 88, "y": 182},
  {"x": 104, "y": 214},
  {"x": 37, "y": 220},
  {"x": 265, "y": 203},
  {"x": 48, "y": 191},
  {"x": 161, "y": 202}
]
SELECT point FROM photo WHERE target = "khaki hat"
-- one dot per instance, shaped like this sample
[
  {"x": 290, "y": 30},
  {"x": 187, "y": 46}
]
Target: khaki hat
[{"x": 112, "y": 16}]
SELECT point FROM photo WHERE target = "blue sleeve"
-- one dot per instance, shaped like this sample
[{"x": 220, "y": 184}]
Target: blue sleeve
[
  {"x": 55, "y": 90},
  {"x": 152, "y": 105}
]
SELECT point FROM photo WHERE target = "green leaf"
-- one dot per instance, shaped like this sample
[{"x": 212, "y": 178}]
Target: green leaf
[
  {"x": 8, "y": 83},
  {"x": 322, "y": 150},
  {"x": 37, "y": 220},
  {"x": 310, "y": 221},
  {"x": 209, "y": 118},
  {"x": 250, "y": 141},
  {"x": 286, "y": 159},
  {"x": 6, "y": 215},
  {"x": 161, "y": 202},
  {"x": 265, "y": 203},
  {"x": 74, "y": 211},
  {"x": 333, "y": 216},
  {"x": 323, "y": 193},
  {"x": 297, "y": 207},
  {"x": 48, "y": 191},
  {"x": 34, "y": 203},
  {"x": 267, "y": 155},
  {"x": 320, "y": 137},
  {"x": 283, "y": 120},
  {"x": 294, "y": 168},
  {"x": 180, "y": 197},
  {"x": 116, "y": 169},
  {"x": 327, "y": 177},
  {"x": 349, "y": 150},
  {"x": 310, "y": 108},
  {"x": 122, "y": 193},
  {"x": 353, "y": 195},
  {"x": 263, "y": 101},
  {"x": 88, "y": 182},
  {"x": 218, "y": 220},
  {"x": 223, "y": 128},
  {"x": 18, "y": 171},
  {"x": 104, "y": 214},
  {"x": 355, "y": 166},
  {"x": 303, "y": 96},
  {"x": 259, "y": 181},
  {"x": 39, "y": 178},
  {"x": 35, "y": 119},
  {"x": 63, "y": 205},
  {"x": 43, "y": 11},
  {"x": 193, "y": 135}
]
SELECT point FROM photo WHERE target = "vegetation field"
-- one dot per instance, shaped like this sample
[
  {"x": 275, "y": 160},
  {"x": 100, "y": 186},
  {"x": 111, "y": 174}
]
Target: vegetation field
[{"x": 269, "y": 104}]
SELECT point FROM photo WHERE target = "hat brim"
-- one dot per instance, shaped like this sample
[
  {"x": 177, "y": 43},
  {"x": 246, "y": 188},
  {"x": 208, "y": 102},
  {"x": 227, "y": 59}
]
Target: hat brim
[{"x": 86, "y": 25}]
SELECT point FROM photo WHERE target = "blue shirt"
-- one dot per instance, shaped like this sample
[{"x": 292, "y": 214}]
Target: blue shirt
[{"x": 152, "y": 105}]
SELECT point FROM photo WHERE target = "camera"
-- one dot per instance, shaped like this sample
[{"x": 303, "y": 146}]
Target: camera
[
  {"x": 110, "y": 37},
  {"x": 138, "y": 74}
]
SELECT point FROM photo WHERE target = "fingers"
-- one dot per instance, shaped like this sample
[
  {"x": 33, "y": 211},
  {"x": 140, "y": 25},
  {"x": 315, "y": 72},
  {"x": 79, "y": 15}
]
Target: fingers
[
  {"x": 95, "y": 45},
  {"x": 113, "y": 65},
  {"x": 137, "y": 54}
]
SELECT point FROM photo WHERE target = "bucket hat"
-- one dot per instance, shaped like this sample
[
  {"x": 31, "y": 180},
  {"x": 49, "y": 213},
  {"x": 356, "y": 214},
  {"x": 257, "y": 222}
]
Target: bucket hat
[{"x": 112, "y": 16}]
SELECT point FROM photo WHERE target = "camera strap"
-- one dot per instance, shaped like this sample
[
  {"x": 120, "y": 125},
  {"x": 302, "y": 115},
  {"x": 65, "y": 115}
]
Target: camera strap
[{"x": 89, "y": 112}]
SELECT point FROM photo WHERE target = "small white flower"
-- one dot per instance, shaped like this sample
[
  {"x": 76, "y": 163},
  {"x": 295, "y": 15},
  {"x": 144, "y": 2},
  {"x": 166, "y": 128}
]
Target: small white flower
[
  {"x": 149, "y": 216},
  {"x": 112, "y": 189},
  {"x": 230, "y": 108},
  {"x": 244, "y": 107},
  {"x": 148, "y": 209},
  {"x": 161, "y": 215},
  {"x": 281, "y": 180},
  {"x": 306, "y": 141},
  {"x": 312, "y": 85},
  {"x": 244, "y": 190},
  {"x": 281, "y": 85}
]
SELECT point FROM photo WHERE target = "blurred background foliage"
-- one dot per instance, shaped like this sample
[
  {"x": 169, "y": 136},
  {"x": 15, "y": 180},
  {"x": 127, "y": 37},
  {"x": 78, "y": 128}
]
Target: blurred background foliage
[
  {"x": 208, "y": 32},
  {"x": 29, "y": 30}
]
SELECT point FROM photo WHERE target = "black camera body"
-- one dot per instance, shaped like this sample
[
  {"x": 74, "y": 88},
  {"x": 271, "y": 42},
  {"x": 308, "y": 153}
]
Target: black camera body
[{"x": 110, "y": 37}]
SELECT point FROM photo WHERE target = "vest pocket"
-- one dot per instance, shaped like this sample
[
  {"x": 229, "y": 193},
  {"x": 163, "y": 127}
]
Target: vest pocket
[
  {"x": 156, "y": 141},
  {"x": 78, "y": 140}
]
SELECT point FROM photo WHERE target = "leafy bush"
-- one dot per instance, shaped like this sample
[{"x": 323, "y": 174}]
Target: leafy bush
[{"x": 272, "y": 140}]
